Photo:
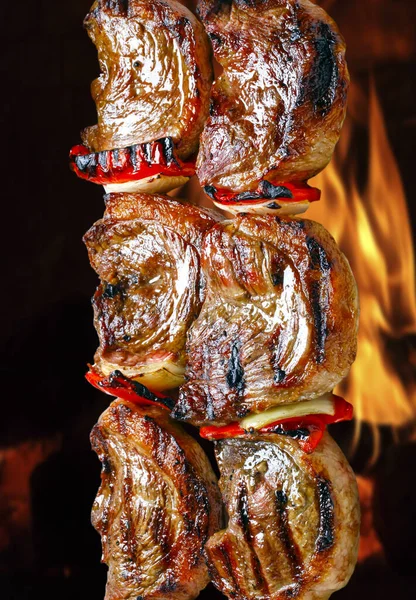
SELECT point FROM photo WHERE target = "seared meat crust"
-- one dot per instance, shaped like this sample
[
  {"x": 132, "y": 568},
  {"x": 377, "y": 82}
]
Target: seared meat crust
[
  {"x": 293, "y": 525},
  {"x": 145, "y": 251},
  {"x": 278, "y": 107},
  {"x": 156, "y": 74},
  {"x": 157, "y": 505},
  {"x": 278, "y": 324}
]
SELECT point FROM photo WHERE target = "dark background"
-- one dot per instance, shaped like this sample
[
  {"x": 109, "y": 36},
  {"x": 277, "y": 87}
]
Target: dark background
[{"x": 47, "y": 545}]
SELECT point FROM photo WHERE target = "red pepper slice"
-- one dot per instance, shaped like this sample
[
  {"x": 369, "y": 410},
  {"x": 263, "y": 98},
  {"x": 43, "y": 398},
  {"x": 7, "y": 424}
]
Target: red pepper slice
[
  {"x": 287, "y": 191},
  {"x": 220, "y": 433},
  {"x": 129, "y": 164},
  {"x": 117, "y": 384},
  {"x": 308, "y": 429}
]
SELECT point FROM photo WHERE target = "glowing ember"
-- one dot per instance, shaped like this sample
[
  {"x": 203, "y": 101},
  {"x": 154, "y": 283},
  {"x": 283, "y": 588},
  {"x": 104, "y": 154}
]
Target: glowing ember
[{"x": 372, "y": 228}]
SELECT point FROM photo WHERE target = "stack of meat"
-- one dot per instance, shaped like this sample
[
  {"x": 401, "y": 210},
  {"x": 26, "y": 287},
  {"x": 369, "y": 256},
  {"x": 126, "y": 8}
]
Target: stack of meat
[{"x": 240, "y": 326}]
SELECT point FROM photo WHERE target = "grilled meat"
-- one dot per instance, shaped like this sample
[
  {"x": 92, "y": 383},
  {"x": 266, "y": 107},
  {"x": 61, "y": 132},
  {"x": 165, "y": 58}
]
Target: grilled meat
[
  {"x": 145, "y": 251},
  {"x": 278, "y": 324},
  {"x": 157, "y": 505},
  {"x": 156, "y": 74},
  {"x": 293, "y": 525},
  {"x": 279, "y": 105}
]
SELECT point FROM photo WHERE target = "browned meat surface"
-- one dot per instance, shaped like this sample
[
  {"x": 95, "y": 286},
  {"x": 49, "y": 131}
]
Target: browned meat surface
[
  {"x": 145, "y": 251},
  {"x": 278, "y": 324},
  {"x": 156, "y": 74},
  {"x": 279, "y": 105},
  {"x": 157, "y": 505},
  {"x": 293, "y": 525}
]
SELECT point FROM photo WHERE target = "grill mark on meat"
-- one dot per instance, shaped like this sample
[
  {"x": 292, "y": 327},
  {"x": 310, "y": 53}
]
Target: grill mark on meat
[
  {"x": 235, "y": 372},
  {"x": 160, "y": 534},
  {"x": 121, "y": 413},
  {"x": 275, "y": 355},
  {"x": 286, "y": 536},
  {"x": 244, "y": 519},
  {"x": 321, "y": 83},
  {"x": 169, "y": 585},
  {"x": 326, "y": 536},
  {"x": 209, "y": 399},
  {"x": 127, "y": 530},
  {"x": 226, "y": 548},
  {"x": 319, "y": 293}
]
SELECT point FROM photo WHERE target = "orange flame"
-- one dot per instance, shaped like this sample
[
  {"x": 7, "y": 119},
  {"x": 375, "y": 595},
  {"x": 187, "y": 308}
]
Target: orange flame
[{"x": 372, "y": 228}]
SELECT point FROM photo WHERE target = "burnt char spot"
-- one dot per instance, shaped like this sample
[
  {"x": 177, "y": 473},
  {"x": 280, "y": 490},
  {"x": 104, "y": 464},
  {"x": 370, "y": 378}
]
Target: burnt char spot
[
  {"x": 235, "y": 373},
  {"x": 168, "y": 150},
  {"x": 319, "y": 294},
  {"x": 296, "y": 434},
  {"x": 279, "y": 375},
  {"x": 244, "y": 518},
  {"x": 326, "y": 516},
  {"x": 141, "y": 390},
  {"x": 247, "y": 196},
  {"x": 107, "y": 469},
  {"x": 281, "y": 499},
  {"x": 133, "y": 156},
  {"x": 87, "y": 163},
  {"x": 147, "y": 152},
  {"x": 268, "y": 190},
  {"x": 102, "y": 160},
  {"x": 321, "y": 85},
  {"x": 169, "y": 586},
  {"x": 215, "y": 39},
  {"x": 274, "y": 205},
  {"x": 210, "y": 191},
  {"x": 110, "y": 290},
  {"x": 277, "y": 277}
]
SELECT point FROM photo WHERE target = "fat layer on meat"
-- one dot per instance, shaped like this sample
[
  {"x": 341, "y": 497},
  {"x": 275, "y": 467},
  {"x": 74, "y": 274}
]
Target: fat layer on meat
[
  {"x": 157, "y": 505},
  {"x": 293, "y": 527},
  {"x": 279, "y": 105},
  {"x": 279, "y": 320},
  {"x": 146, "y": 252},
  {"x": 156, "y": 74}
]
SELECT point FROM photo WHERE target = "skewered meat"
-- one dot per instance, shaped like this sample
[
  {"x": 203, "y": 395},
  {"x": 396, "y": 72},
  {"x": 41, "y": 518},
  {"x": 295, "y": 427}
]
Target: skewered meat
[
  {"x": 279, "y": 105},
  {"x": 293, "y": 525},
  {"x": 145, "y": 251},
  {"x": 156, "y": 74},
  {"x": 278, "y": 324},
  {"x": 157, "y": 505}
]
